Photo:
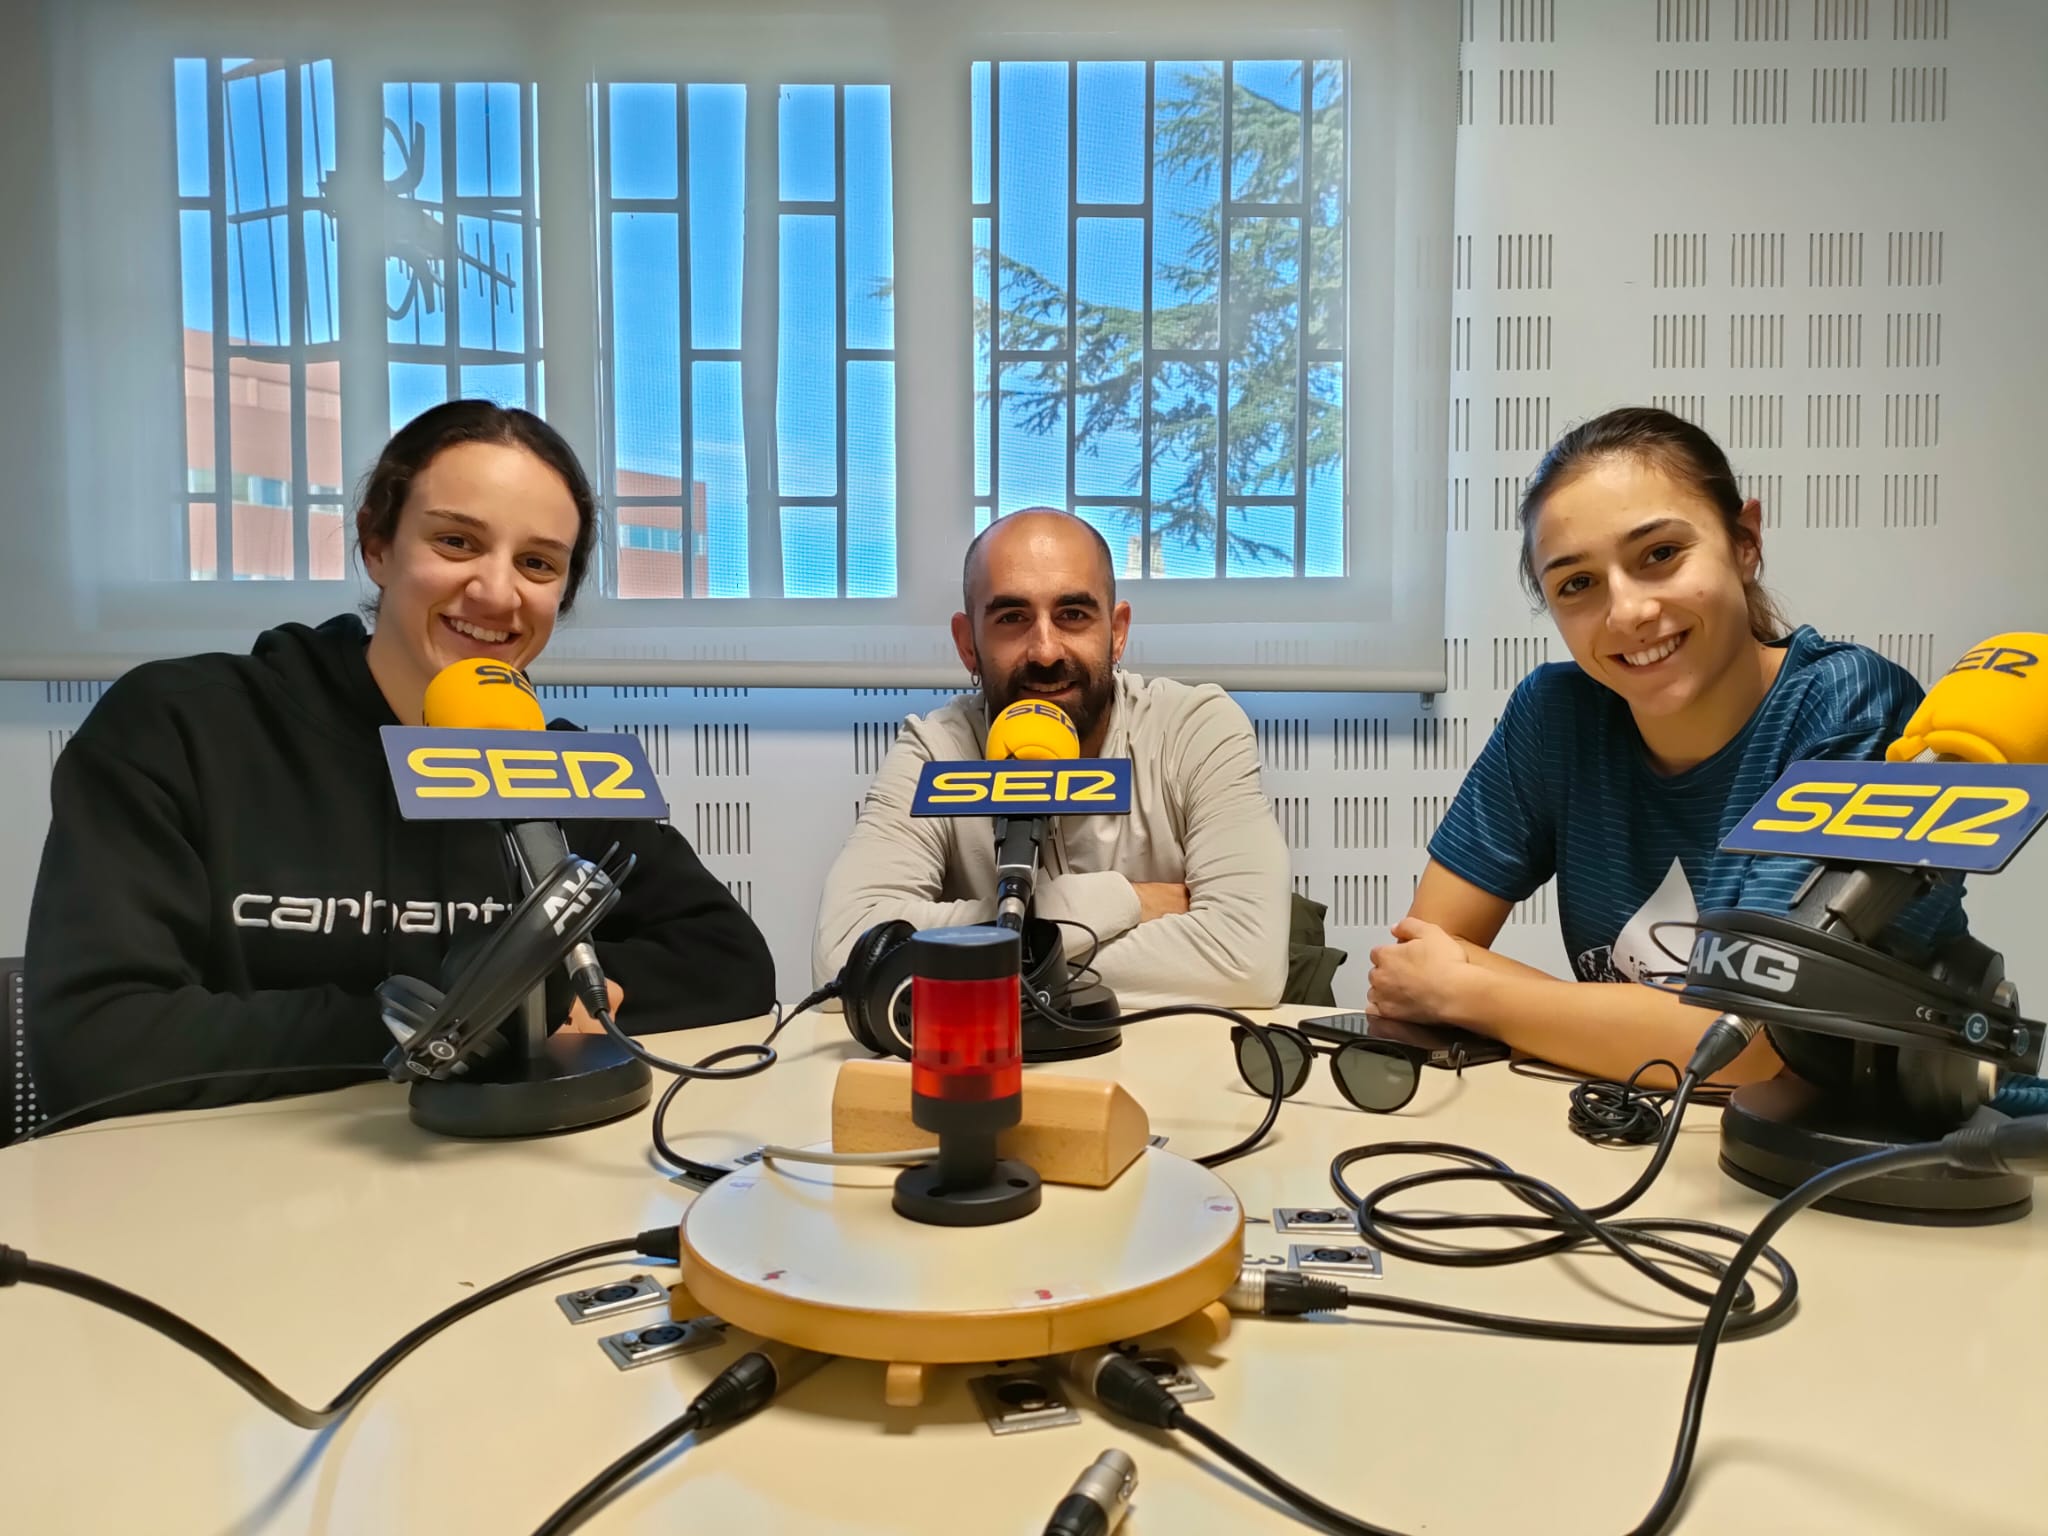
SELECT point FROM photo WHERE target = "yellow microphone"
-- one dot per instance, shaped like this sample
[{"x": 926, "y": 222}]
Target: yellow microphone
[
  {"x": 1990, "y": 707},
  {"x": 479, "y": 695},
  {"x": 1033, "y": 732}
]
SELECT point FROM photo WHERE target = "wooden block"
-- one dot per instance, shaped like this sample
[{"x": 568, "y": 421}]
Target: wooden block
[
  {"x": 1075, "y": 1130},
  {"x": 903, "y": 1384}
]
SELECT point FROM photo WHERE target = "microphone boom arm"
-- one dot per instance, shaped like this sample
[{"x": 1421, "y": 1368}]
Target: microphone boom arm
[{"x": 1017, "y": 840}]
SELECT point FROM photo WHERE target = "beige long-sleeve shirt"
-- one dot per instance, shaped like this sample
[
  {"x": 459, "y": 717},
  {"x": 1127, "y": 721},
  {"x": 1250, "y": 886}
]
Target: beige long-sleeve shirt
[{"x": 1198, "y": 818}]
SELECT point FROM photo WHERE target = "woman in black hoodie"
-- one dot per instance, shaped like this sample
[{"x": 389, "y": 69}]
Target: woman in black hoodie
[{"x": 227, "y": 879}]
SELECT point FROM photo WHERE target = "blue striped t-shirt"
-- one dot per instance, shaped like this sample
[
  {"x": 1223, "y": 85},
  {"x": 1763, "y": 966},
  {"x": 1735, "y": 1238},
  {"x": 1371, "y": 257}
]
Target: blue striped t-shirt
[{"x": 1566, "y": 787}]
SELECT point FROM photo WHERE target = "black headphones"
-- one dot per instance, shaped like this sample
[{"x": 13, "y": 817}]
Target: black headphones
[
  {"x": 1932, "y": 1088},
  {"x": 874, "y": 991}
]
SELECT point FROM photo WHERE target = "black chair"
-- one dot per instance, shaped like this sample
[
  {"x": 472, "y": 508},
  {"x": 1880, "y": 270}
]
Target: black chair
[{"x": 18, "y": 1110}]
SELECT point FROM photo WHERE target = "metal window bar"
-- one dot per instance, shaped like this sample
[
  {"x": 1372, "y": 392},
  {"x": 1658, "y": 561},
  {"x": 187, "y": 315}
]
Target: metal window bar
[
  {"x": 300, "y": 306},
  {"x": 1071, "y": 371},
  {"x": 1226, "y": 174},
  {"x": 217, "y": 231},
  {"x": 839, "y": 285},
  {"x": 1146, "y": 369},
  {"x": 603, "y": 570},
  {"x": 835, "y": 209},
  {"x": 995, "y": 285}
]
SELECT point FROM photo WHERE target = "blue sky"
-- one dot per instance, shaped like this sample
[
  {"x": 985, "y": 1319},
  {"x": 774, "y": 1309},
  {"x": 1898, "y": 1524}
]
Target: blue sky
[{"x": 649, "y": 328}]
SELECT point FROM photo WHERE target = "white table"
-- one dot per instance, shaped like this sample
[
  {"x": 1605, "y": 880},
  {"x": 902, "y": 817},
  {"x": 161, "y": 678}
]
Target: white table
[{"x": 1904, "y": 1396}]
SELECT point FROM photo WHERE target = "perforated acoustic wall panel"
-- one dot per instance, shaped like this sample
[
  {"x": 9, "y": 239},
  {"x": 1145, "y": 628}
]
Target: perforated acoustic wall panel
[{"x": 1814, "y": 226}]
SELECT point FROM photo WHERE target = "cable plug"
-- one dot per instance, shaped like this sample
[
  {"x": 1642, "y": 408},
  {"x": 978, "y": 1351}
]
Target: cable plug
[
  {"x": 1120, "y": 1383},
  {"x": 1992, "y": 1144},
  {"x": 748, "y": 1385},
  {"x": 586, "y": 978},
  {"x": 1100, "y": 1497},
  {"x": 660, "y": 1243},
  {"x": 1262, "y": 1292},
  {"x": 13, "y": 1265},
  {"x": 1721, "y": 1044}
]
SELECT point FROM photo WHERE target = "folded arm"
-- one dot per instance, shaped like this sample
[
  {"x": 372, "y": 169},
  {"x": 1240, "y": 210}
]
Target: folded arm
[
  {"x": 1230, "y": 946},
  {"x": 1441, "y": 970}
]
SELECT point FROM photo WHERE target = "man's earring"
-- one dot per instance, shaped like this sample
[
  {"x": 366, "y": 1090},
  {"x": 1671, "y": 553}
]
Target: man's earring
[{"x": 974, "y": 681}]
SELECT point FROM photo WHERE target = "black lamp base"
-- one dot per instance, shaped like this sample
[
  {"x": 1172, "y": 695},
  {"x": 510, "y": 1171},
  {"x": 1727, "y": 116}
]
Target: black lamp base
[{"x": 1011, "y": 1190}]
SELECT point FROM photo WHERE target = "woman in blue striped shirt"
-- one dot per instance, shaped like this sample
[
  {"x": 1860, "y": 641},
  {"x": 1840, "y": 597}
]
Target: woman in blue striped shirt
[{"x": 1621, "y": 771}]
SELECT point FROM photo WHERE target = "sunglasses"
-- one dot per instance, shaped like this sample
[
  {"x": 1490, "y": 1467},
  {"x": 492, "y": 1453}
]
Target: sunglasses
[{"x": 1379, "y": 1076}]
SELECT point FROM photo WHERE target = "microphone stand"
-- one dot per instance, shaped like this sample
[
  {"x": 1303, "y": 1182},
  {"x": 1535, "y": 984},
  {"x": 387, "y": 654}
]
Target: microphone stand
[
  {"x": 523, "y": 1080},
  {"x": 1879, "y": 1052}
]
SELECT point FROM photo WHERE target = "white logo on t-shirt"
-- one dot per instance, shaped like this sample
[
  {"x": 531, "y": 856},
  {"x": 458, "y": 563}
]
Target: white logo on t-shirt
[{"x": 1637, "y": 954}]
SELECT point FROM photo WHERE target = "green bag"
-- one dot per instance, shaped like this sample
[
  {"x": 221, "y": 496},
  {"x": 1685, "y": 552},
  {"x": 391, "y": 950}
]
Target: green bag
[{"x": 1311, "y": 964}]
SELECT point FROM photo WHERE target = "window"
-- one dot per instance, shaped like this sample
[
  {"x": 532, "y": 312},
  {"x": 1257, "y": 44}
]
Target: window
[
  {"x": 260, "y": 319},
  {"x": 811, "y": 303},
  {"x": 1159, "y": 345},
  {"x": 673, "y": 213}
]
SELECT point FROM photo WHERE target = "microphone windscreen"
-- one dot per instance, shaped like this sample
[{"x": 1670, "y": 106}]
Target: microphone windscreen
[
  {"x": 1990, "y": 707},
  {"x": 1034, "y": 732},
  {"x": 479, "y": 695}
]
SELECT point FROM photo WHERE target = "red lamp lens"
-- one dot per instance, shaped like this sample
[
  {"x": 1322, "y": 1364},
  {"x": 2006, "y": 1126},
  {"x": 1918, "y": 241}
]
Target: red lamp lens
[{"x": 967, "y": 1042}]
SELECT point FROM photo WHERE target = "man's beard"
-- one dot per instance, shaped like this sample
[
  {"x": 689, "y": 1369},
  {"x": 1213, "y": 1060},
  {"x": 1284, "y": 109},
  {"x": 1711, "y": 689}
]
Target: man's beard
[{"x": 1098, "y": 688}]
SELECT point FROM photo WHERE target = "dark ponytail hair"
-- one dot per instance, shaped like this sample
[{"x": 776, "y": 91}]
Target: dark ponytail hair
[
  {"x": 1668, "y": 443},
  {"x": 415, "y": 445}
]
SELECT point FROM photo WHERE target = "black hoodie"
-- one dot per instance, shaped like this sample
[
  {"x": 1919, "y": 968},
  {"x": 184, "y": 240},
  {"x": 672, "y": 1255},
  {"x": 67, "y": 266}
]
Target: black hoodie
[{"x": 227, "y": 879}]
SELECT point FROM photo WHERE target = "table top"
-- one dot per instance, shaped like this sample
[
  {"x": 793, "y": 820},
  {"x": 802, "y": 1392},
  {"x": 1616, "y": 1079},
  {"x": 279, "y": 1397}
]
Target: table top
[{"x": 309, "y": 1233}]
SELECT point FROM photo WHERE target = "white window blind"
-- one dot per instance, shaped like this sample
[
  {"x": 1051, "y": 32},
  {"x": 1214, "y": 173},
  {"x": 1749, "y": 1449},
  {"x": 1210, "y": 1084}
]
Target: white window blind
[{"x": 813, "y": 295}]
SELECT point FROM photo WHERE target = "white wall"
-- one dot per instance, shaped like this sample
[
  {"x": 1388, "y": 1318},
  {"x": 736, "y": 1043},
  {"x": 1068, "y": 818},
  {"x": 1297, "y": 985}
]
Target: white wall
[{"x": 1817, "y": 226}]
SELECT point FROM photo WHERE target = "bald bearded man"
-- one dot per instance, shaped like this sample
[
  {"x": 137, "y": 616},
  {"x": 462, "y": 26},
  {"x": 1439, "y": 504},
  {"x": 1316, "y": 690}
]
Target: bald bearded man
[{"x": 1188, "y": 894}]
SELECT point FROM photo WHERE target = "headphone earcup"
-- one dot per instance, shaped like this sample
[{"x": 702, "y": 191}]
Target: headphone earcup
[
  {"x": 875, "y": 968},
  {"x": 411, "y": 995},
  {"x": 1825, "y": 1061}
]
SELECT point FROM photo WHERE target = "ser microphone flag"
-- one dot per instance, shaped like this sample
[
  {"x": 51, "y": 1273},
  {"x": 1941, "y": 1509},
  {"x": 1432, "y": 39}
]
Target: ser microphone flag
[
  {"x": 1967, "y": 817},
  {"x": 485, "y": 754}
]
